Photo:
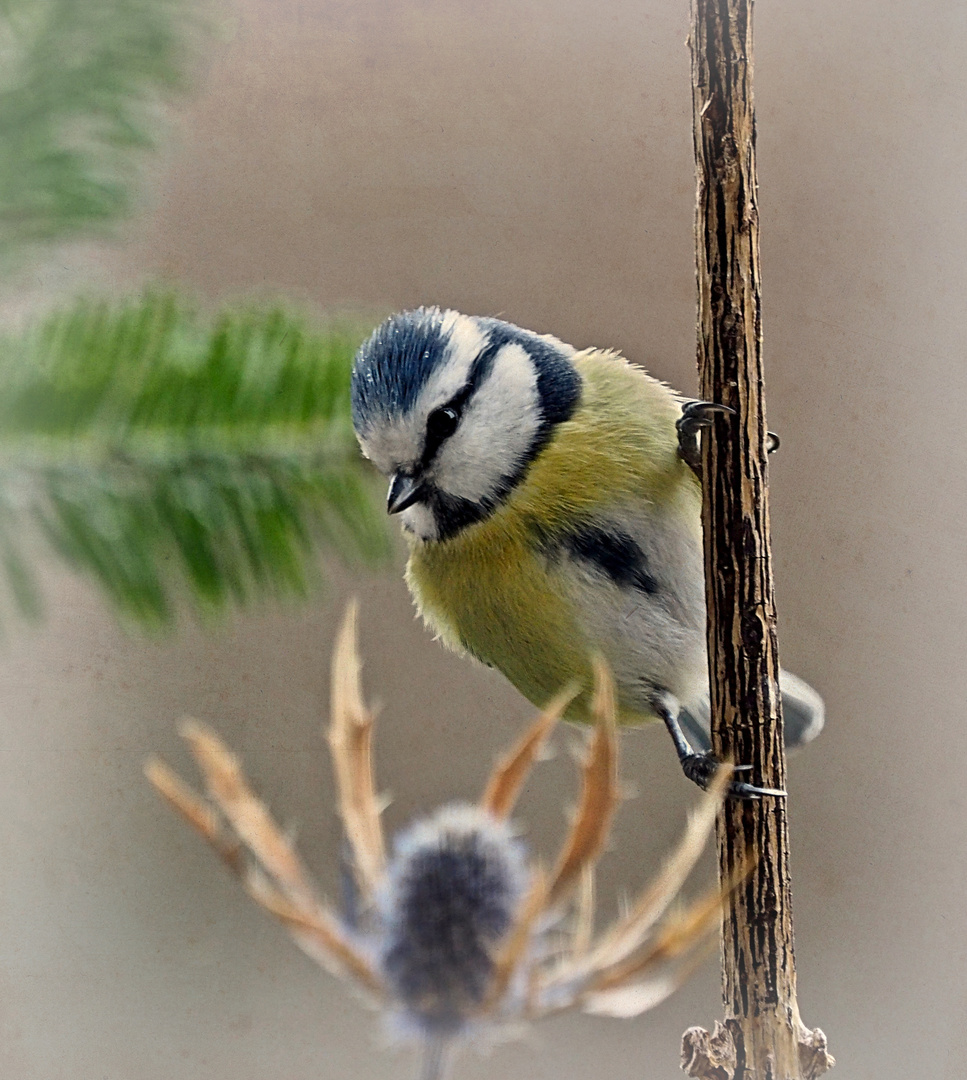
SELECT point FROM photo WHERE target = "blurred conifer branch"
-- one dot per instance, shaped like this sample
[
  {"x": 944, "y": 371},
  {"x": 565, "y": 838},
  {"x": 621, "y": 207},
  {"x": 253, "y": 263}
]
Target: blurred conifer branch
[
  {"x": 80, "y": 86},
  {"x": 176, "y": 460}
]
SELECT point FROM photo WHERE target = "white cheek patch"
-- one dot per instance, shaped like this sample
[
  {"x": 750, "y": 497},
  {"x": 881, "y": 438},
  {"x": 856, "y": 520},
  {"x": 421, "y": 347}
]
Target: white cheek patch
[
  {"x": 466, "y": 342},
  {"x": 496, "y": 432}
]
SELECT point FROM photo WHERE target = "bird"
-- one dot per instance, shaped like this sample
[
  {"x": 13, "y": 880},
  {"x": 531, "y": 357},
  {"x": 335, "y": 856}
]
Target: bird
[{"x": 552, "y": 511}]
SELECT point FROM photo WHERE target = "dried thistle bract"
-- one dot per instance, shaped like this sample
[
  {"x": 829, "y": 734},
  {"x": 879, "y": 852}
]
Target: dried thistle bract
[{"x": 457, "y": 932}]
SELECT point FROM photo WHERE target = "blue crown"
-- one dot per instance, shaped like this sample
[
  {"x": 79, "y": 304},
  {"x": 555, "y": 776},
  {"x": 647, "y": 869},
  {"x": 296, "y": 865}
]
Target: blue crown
[{"x": 394, "y": 363}]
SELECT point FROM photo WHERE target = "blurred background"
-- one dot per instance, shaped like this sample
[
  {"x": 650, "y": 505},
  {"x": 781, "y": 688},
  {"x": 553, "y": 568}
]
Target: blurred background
[{"x": 531, "y": 160}]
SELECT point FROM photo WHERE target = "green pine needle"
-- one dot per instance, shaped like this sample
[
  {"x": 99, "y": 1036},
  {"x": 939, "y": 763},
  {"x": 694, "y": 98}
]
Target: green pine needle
[
  {"x": 178, "y": 461},
  {"x": 80, "y": 84}
]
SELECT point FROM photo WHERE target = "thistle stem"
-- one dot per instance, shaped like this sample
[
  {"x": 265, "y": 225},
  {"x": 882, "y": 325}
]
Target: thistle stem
[{"x": 436, "y": 1058}]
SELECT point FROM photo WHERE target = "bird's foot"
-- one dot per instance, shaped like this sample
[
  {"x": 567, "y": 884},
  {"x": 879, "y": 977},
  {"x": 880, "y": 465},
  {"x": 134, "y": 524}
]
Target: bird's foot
[
  {"x": 700, "y": 768},
  {"x": 697, "y": 415}
]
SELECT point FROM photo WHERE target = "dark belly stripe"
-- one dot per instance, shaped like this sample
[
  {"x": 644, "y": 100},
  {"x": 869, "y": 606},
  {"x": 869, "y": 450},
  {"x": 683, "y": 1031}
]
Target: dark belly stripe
[{"x": 609, "y": 551}]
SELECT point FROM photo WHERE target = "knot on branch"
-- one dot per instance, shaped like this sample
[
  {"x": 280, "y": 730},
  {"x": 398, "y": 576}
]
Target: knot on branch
[
  {"x": 714, "y": 1057},
  {"x": 709, "y": 1057},
  {"x": 814, "y": 1057}
]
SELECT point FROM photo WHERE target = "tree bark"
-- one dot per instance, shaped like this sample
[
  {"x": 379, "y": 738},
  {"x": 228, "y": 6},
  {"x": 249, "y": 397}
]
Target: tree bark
[{"x": 759, "y": 974}]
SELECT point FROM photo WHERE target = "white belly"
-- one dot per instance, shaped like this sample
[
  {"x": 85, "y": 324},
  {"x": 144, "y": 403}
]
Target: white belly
[{"x": 653, "y": 641}]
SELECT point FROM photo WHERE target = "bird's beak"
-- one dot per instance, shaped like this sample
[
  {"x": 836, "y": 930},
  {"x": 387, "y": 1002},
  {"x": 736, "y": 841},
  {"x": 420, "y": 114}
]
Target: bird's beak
[{"x": 403, "y": 491}]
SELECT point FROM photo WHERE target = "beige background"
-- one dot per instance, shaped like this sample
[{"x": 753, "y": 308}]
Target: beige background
[{"x": 531, "y": 159}]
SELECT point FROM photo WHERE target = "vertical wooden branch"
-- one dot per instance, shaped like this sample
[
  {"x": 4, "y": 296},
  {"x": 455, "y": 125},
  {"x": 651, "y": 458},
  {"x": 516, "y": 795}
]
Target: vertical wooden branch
[{"x": 763, "y": 1034}]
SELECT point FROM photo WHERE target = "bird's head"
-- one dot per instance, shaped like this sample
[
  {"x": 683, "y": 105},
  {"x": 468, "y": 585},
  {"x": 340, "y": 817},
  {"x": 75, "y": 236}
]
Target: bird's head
[{"x": 453, "y": 408}]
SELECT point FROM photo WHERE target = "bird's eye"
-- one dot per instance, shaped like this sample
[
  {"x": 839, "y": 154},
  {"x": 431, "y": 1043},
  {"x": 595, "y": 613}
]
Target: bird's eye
[{"x": 441, "y": 424}]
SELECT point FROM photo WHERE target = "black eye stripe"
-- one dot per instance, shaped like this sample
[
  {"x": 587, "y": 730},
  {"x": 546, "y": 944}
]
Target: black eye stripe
[
  {"x": 443, "y": 421},
  {"x": 558, "y": 389},
  {"x": 440, "y": 425},
  {"x": 479, "y": 370}
]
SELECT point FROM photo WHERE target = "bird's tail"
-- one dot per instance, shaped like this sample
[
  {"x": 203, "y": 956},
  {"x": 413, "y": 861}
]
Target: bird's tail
[{"x": 803, "y": 714}]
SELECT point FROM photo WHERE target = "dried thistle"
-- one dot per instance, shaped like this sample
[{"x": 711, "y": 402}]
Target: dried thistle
[{"x": 457, "y": 933}]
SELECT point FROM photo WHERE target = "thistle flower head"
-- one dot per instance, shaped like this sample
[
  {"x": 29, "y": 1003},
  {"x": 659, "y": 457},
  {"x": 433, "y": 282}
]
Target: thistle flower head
[
  {"x": 450, "y": 894},
  {"x": 457, "y": 931}
]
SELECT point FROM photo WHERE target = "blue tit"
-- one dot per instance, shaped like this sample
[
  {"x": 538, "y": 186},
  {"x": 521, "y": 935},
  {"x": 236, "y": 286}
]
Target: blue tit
[{"x": 550, "y": 516}]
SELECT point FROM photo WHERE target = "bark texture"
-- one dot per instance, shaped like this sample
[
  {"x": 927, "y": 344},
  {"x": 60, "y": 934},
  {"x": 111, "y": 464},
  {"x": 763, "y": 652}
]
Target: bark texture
[{"x": 759, "y": 975}]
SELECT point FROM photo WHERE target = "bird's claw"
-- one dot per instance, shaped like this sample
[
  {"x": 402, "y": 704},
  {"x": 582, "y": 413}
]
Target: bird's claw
[
  {"x": 697, "y": 415},
  {"x": 700, "y": 768}
]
